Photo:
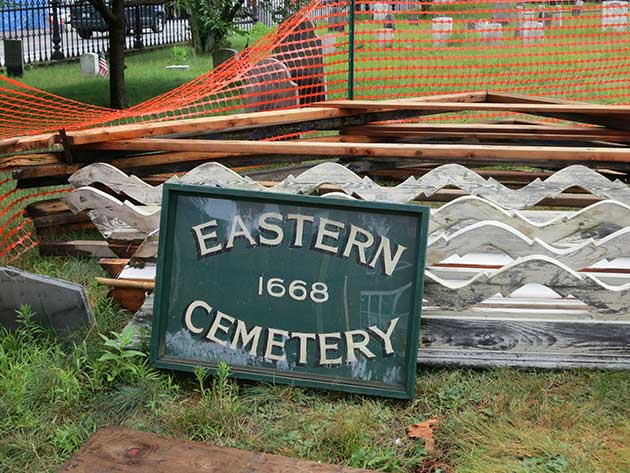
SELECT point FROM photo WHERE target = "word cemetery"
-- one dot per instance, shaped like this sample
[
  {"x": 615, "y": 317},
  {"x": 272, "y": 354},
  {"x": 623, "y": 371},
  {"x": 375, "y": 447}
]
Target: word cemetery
[{"x": 292, "y": 289}]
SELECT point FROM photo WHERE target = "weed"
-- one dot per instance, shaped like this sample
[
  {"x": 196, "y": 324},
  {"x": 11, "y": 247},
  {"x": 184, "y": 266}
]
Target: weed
[{"x": 121, "y": 361}]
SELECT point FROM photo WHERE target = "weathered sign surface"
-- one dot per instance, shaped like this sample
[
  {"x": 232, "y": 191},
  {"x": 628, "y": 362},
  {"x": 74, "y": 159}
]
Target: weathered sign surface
[{"x": 303, "y": 290}]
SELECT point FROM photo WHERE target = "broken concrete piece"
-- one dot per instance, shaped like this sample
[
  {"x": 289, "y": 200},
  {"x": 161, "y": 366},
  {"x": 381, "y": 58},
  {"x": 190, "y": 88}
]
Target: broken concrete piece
[{"x": 56, "y": 304}]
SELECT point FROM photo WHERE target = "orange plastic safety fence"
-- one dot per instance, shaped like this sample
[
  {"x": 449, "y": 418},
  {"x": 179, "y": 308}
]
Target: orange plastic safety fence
[
  {"x": 17, "y": 235},
  {"x": 578, "y": 50}
]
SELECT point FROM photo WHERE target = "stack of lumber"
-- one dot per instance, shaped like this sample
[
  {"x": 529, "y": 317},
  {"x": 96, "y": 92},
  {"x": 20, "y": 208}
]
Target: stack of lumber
[{"x": 367, "y": 136}]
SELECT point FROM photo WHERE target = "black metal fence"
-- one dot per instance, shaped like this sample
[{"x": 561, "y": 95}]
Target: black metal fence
[{"x": 58, "y": 29}]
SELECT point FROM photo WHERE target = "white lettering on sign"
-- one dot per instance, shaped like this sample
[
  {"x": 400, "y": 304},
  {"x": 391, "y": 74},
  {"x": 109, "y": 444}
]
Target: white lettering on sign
[
  {"x": 333, "y": 349},
  {"x": 329, "y": 236}
]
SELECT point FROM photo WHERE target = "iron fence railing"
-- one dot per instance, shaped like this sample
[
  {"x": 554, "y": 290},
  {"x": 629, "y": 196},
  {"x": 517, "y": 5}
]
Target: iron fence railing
[{"x": 58, "y": 29}]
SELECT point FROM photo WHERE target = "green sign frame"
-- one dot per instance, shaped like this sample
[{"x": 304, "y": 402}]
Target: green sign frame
[{"x": 358, "y": 294}]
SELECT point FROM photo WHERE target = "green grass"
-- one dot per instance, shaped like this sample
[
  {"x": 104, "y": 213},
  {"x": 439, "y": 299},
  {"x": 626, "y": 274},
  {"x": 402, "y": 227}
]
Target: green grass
[
  {"x": 146, "y": 75},
  {"x": 54, "y": 394}
]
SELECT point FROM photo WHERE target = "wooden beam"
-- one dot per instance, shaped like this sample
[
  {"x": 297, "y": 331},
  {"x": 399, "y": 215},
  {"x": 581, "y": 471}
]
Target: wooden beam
[
  {"x": 28, "y": 143},
  {"x": 446, "y": 107},
  {"x": 438, "y": 152},
  {"x": 93, "y": 248},
  {"x": 126, "y": 451},
  {"x": 473, "y": 131}
]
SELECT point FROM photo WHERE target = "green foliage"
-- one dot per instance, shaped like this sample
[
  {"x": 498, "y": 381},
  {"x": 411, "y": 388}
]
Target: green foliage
[
  {"x": 180, "y": 54},
  {"x": 121, "y": 362},
  {"x": 283, "y": 9},
  {"x": 211, "y": 22}
]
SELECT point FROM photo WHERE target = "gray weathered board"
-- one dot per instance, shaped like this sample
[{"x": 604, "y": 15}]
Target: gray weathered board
[{"x": 538, "y": 310}]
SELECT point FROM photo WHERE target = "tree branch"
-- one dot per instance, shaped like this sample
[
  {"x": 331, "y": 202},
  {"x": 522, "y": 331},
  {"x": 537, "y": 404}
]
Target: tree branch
[{"x": 104, "y": 10}]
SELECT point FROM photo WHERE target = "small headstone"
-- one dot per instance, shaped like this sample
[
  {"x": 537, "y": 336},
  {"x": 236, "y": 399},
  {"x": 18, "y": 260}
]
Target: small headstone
[
  {"x": 268, "y": 86},
  {"x": 533, "y": 32},
  {"x": 523, "y": 16},
  {"x": 385, "y": 37},
  {"x": 337, "y": 19},
  {"x": 14, "y": 57},
  {"x": 380, "y": 11},
  {"x": 502, "y": 12},
  {"x": 302, "y": 53},
  {"x": 223, "y": 54},
  {"x": 55, "y": 304},
  {"x": 615, "y": 16},
  {"x": 328, "y": 43},
  {"x": 89, "y": 64},
  {"x": 492, "y": 34},
  {"x": 442, "y": 28}
]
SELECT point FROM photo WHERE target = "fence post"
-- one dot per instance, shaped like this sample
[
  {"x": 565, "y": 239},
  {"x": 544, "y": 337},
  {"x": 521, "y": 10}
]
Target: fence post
[
  {"x": 56, "y": 34},
  {"x": 138, "y": 40},
  {"x": 351, "y": 50}
]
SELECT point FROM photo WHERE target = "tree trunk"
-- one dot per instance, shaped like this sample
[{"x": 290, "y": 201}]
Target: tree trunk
[{"x": 117, "y": 30}]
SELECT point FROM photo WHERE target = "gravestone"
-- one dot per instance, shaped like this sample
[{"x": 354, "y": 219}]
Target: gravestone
[
  {"x": 442, "y": 28},
  {"x": 223, "y": 54},
  {"x": 615, "y": 16},
  {"x": 385, "y": 37},
  {"x": 533, "y": 32},
  {"x": 302, "y": 53},
  {"x": 328, "y": 44},
  {"x": 380, "y": 10},
  {"x": 89, "y": 64},
  {"x": 268, "y": 86},
  {"x": 55, "y": 304},
  {"x": 523, "y": 16},
  {"x": 337, "y": 19},
  {"x": 14, "y": 57},
  {"x": 502, "y": 12},
  {"x": 492, "y": 34}
]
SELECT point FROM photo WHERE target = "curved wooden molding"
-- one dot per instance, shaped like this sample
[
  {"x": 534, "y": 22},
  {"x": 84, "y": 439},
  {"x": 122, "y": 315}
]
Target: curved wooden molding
[
  {"x": 103, "y": 205},
  {"x": 531, "y": 269},
  {"x": 209, "y": 174},
  {"x": 492, "y": 237},
  {"x": 470, "y": 208},
  {"x": 215, "y": 174}
]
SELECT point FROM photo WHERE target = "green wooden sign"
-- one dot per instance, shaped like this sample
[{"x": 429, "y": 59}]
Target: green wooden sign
[{"x": 310, "y": 291}]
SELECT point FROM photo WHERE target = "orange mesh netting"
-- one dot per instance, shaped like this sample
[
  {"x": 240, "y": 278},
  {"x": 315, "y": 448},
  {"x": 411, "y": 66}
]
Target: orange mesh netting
[{"x": 383, "y": 49}]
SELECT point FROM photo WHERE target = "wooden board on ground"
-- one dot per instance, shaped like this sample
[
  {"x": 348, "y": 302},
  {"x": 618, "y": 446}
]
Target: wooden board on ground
[{"x": 122, "y": 450}]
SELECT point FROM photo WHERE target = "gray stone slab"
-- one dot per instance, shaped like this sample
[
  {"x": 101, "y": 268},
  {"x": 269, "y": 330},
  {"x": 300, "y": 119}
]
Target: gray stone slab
[
  {"x": 223, "y": 54},
  {"x": 14, "y": 57},
  {"x": 56, "y": 304},
  {"x": 302, "y": 52},
  {"x": 502, "y": 12},
  {"x": 268, "y": 86}
]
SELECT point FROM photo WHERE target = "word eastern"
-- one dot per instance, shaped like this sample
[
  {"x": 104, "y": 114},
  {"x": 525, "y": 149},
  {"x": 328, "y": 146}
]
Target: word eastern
[
  {"x": 331, "y": 348},
  {"x": 327, "y": 237}
]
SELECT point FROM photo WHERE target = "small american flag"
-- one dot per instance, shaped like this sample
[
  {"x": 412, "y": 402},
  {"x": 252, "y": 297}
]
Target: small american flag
[{"x": 103, "y": 68}]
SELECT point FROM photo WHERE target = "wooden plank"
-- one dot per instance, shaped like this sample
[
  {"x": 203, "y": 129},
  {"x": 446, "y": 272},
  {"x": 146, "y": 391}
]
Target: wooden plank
[
  {"x": 93, "y": 248},
  {"x": 11, "y": 163},
  {"x": 613, "y": 116},
  {"x": 28, "y": 143},
  {"x": 468, "y": 340},
  {"x": 489, "y": 132},
  {"x": 438, "y": 152},
  {"x": 127, "y": 451},
  {"x": 446, "y": 107}
]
